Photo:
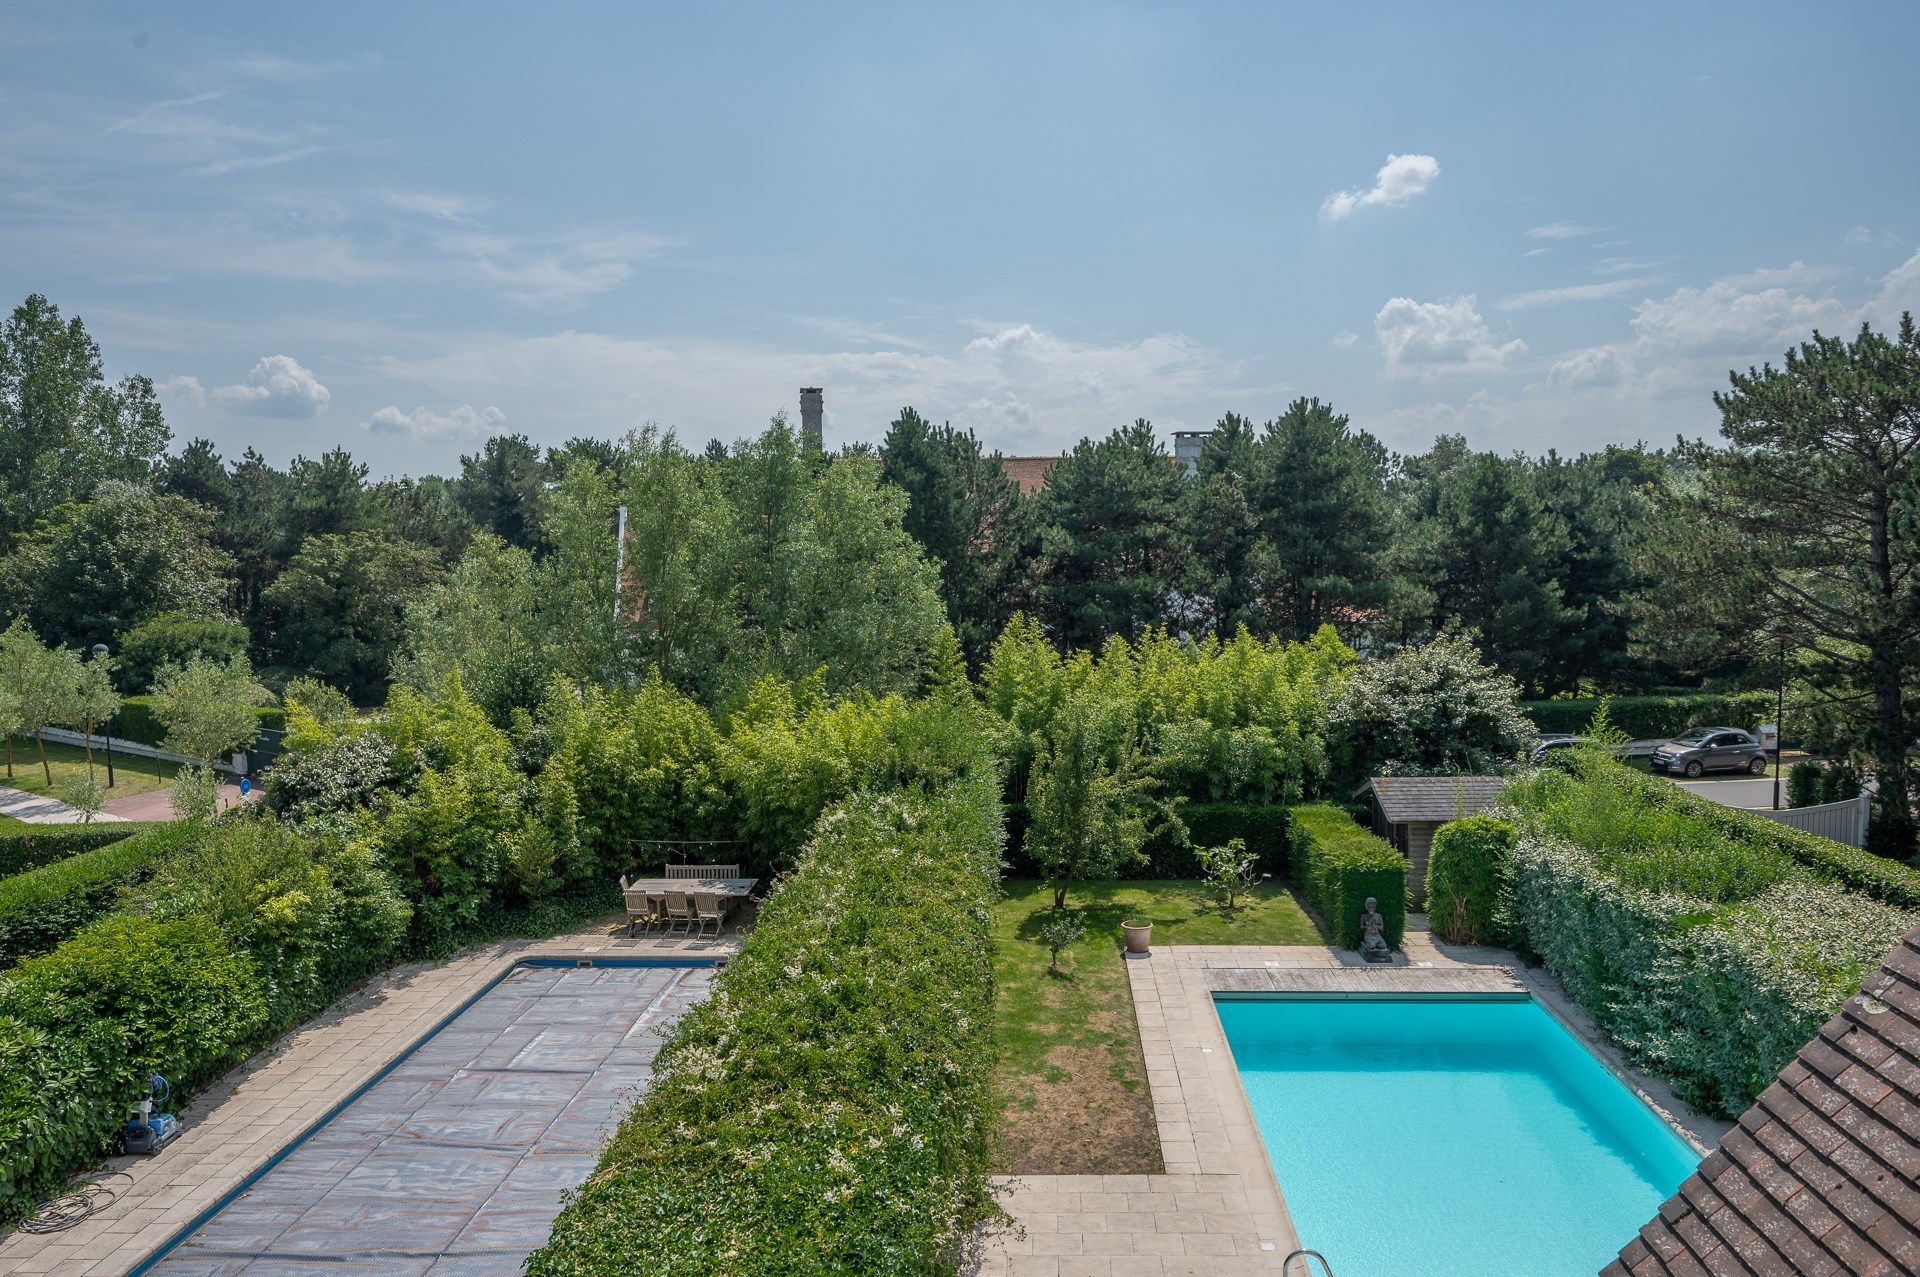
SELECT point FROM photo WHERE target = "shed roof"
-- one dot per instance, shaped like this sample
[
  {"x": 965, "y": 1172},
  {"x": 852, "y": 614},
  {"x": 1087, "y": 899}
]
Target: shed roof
[
  {"x": 1819, "y": 1175},
  {"x": 1413, "y": 799}
]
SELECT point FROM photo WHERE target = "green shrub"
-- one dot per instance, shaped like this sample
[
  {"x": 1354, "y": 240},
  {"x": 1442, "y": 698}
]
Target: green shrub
[
  {"x": 42, "y": 907},
  {"x": 1652, "y": 717},
  {"x": 827, "y": 1109},
  {"x": 82, "y": 1027},
  {"x": 174, "y": 638},
  {"x": 1715, "y": 998},
  {"x": 24, "y": 846},
  {"x": 1728, "y": 829},
  {"x": 1804, "y": 783},
  {"x": 1337, "y": 864},
  {"x": 1468, "y": 873}
]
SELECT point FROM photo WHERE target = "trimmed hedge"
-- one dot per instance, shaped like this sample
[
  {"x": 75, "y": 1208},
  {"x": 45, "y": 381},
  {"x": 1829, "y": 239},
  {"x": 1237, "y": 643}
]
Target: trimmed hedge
[
  {"x": 1468, "y": 875},
  {"x": 827, "y": 1109},
  {"x": 30, "y": 846},
  {"x": 1337, "y": 864},
  {"x": 42, "y": 907},
  {"x": 1892, "y": 881},
  {"x": 1710, "y": 954},
  {"x": 1645, "y": 717},
  {"x": 82, "y": 1027}
]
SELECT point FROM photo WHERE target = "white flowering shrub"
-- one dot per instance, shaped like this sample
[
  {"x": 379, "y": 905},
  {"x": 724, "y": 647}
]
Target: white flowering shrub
[{"x": 827, "y": 1109}]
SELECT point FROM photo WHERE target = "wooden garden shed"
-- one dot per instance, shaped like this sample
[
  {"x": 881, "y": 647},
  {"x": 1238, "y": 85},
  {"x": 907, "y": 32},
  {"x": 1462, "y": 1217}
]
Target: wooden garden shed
[{"x": 1407, "y": 809}]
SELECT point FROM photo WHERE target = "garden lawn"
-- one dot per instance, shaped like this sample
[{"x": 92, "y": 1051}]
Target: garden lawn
[
  {"x": 130, "y": 775},
  {"x": 1071, "y": 1081}
]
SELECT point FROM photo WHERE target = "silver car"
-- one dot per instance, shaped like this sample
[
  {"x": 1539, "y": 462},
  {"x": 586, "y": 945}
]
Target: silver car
[{"x": 1711, "y": 749}]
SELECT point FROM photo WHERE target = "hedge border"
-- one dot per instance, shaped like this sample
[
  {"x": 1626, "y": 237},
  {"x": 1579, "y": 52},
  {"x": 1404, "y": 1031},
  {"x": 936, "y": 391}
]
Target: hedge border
[
  {"x": 1646, "y": 717},
  {"x": 1337, "y": 864},
  {"x": 43, "y": 906},
  {"x": 31, "y": 846}
]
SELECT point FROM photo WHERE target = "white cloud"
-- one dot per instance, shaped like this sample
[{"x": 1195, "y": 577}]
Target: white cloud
[
  {"x": 1621, "y": 266},
  {"x": 1594, "y": 366},
  {"x": 1427, "y": 340},
  {"x": 1024, "y": 388},
  {"x": 466, "y": 421},
  {"x": 1731, "y": 315},
  {"x": 276, "y": 387},
  {"x": 1899, "y": 293},
  {"x": 557, "y": 271},
  {"x": 1858, "y": 235},
  {"x": 1571, "y": 293},
  {"x": 446, "y": 208},
  {"x": 1400, "y": 179},
  {"x": 182, "y": 391},
  {"x": 1536, "y": 252},
  {"x": 1563, "y": 230},
  {"x": 1345, "y": 339}
]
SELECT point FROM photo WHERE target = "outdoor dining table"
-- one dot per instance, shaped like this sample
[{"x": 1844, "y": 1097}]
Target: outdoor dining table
[{"x": 655, "y": 890}]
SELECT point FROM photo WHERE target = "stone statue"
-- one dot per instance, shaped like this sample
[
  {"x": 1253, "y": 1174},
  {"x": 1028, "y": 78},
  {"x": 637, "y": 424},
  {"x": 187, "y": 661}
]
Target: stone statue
[{"x": 1373, "y": 937}]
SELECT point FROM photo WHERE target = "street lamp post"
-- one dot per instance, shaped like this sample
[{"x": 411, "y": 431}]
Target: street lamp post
[
  {"x": 100, "y": 654},
  {"x": 1779, "y": 723}
]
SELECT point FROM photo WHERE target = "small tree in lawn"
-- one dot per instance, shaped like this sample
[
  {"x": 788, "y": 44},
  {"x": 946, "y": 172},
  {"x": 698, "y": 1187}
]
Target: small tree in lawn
[
  {"x": 207, "y": 708},
  {"x": 1060, "y": 929},
  {"x": 91, "y": 700},
  {"x": 41, "y": 680},
  {"x": 1230, "y": 867},
  {"x": 1085, "y": 799},
  {"x": 83, "y": 794}
]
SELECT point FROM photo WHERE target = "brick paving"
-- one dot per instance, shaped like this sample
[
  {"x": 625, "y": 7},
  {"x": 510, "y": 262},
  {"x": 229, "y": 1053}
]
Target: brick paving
[
  {"x": 1218, "y": 1211},
  {"x": 257, "y": 1110}
]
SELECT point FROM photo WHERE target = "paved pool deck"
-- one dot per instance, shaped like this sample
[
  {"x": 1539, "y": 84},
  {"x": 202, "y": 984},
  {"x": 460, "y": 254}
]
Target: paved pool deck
[
  {"x": 1217, "y": 1211},
  {"x": 242, "y": 1122}
]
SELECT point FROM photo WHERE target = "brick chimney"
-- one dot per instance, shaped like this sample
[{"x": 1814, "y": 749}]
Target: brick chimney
[{"x": 813, "y": 406}]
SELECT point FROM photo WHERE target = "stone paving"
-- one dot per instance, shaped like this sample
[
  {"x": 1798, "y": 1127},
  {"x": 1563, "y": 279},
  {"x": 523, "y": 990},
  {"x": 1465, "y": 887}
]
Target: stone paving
[
  {"x": 1217, "y": 1211},
  {"x": 238, "y": 1124}
]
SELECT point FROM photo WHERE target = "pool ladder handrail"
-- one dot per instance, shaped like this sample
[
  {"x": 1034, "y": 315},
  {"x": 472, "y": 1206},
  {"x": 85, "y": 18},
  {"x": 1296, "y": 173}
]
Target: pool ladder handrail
[{"x": 1286, "y": 1265}]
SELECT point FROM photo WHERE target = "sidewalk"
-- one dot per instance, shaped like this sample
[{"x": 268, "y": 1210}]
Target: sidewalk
[{"x": 42, "y": 809}]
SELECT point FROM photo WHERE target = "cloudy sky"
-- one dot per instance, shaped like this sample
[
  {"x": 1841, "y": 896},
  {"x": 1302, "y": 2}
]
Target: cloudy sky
[{"x": 403, "y": 227}]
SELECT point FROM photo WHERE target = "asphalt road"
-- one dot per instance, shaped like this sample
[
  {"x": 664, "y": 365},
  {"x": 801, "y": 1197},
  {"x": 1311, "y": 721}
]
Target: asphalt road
[{"x": 1737, "y": 791}]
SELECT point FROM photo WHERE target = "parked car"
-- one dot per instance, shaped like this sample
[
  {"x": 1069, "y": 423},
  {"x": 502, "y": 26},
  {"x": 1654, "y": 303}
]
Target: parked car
[
  {"x": 1711, "y": 749},
  {"x": 1548, "y": 744}
]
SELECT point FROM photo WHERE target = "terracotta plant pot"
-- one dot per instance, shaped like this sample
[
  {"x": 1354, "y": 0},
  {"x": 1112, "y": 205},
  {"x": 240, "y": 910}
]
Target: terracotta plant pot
[{"x": 1139, "y": 936}]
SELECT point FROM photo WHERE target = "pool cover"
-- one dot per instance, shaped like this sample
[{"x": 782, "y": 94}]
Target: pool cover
[{"x": 454, "y": 1163}]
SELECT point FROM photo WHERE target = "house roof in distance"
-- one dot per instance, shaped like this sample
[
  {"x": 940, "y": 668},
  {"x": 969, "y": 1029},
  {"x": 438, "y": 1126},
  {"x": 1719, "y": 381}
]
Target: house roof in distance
[
  {"x": 1412, "y": 799},
  {"x": 1028, "y": 473},
  {"x": 1819, "y": 1175}
]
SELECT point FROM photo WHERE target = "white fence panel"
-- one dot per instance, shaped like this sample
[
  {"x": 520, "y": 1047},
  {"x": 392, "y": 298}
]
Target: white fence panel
[{"x": 1844, "y": 821}]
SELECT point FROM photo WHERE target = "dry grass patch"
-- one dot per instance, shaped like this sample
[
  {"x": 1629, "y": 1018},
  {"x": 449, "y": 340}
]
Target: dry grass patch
[{"x": 1071, "y": 1079}]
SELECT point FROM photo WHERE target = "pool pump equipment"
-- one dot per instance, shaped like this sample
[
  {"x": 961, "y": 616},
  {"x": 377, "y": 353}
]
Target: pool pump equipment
[{"x": 148, "y": 1131}]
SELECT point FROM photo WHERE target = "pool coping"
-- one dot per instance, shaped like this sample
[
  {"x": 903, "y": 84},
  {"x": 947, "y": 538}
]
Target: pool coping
[
  {"x": 1210, "y": 1143},
  {"x": 254, "y": 1115}
]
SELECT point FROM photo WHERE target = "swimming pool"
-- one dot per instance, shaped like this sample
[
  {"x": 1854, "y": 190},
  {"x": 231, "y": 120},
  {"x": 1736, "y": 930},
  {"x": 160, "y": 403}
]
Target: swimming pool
[{"x": 1425, "y": 1137}]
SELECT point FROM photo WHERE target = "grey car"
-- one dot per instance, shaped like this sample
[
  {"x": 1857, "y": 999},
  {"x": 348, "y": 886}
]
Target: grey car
[{"x": 1711, "y": 749}]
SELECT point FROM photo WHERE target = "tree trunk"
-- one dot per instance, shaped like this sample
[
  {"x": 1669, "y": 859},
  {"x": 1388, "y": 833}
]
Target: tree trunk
[
  {"x": 1060, "y": 893},
  {"x": 1891, "y": 738},
  {"x": 45, "y": 766}
]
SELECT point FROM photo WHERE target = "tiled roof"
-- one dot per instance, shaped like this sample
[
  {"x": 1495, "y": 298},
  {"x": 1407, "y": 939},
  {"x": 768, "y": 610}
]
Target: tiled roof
[
  {"x": 1030, "y": 473},
  {"x": 1422, "y": 798},
  {"x": 1819, "y": 1175}
]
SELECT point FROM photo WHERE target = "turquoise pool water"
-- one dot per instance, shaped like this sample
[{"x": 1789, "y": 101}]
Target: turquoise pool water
[{"x": 1423, "y": 1138}]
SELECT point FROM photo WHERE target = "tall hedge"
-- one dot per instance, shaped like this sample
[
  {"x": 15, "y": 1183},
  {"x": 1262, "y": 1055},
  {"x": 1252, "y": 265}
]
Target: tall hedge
[
  {"x": 1337, "y": 864},
  {"x": 1711, "y": 955},
  {"x": 30, "y": 846},
  {"x": 827, "y": 1109},
  {"x": 1645, "y": 717},
  {"x": 42, "y": 907},
  {"x": 137, "y": 722},
  {"x": 1468, "y": 876},
  {"x": 82, "y": 1027}
]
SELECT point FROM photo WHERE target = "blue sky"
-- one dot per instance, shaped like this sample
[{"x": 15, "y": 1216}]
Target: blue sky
[{"x": 401, "y": 227}]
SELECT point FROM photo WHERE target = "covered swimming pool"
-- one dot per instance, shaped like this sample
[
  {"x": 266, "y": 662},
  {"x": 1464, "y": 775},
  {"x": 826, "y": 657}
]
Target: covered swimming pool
[{"x": 453, "y": 1162}]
